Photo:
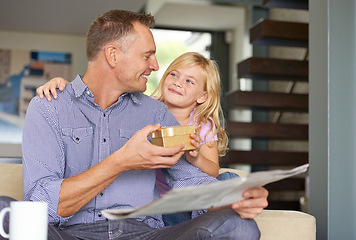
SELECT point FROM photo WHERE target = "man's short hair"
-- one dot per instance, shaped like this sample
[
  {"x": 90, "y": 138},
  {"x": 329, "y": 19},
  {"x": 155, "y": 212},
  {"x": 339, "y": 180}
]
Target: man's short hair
[{"x": 114, "y": 25}]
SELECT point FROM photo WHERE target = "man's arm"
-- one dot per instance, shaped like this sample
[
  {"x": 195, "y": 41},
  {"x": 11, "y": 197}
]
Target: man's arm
[
  {"x": 44, "y": 163},
  {"x": 87, "y": 185}
]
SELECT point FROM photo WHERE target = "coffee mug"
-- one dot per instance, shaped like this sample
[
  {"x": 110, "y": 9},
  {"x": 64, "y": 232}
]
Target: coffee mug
[{"x": 28, "y": 220}]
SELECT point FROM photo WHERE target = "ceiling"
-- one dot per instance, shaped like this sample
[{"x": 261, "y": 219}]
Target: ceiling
[
  {"x": 199, "y": 14},
  {"x": 75, "y": 16},
  {"x": 58, "y": 16}
]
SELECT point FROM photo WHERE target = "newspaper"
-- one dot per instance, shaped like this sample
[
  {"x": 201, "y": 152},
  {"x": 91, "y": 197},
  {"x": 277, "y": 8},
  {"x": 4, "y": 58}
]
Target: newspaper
[{"x": 213, "y": 195}]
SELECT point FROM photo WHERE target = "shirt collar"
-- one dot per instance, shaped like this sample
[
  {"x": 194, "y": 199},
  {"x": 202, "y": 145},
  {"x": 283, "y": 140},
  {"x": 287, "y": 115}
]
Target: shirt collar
[
  {"x": 134, "y": 97},
  {"x": 80, "y": 88}
]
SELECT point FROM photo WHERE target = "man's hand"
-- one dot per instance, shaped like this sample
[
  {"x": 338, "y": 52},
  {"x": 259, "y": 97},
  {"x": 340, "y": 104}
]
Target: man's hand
[
  {"x": 252, "y": 206},
  {"x": 255, "y": 202},
  {"x": 142, "y": 155}
]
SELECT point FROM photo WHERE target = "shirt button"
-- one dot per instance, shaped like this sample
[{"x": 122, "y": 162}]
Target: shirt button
[
  {"x": 99, "y": 214},
  {"x": 77, "y": 139},
  {"x": 104, "y": 140},
  {"x": 101, "y": 194},
  {"x": 88, "y": 92},
  {"x": 104, "y": 115}
]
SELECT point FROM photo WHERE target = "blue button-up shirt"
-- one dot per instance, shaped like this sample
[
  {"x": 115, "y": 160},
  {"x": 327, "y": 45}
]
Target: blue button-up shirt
[{"x": 65, "y": 137}]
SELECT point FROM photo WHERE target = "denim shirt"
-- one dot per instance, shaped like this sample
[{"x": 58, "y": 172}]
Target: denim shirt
[{"x": 67, "y": 136}]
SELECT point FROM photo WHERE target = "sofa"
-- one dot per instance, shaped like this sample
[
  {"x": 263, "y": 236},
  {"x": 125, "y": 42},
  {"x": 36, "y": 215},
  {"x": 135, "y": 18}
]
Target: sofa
[{"x": 273, "y": 224}]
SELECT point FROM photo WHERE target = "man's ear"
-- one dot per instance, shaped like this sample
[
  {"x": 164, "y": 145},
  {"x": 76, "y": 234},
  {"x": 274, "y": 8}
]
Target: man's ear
[
  {"x": 203, "y": 98},
  {"x": 111, "y": 54}
]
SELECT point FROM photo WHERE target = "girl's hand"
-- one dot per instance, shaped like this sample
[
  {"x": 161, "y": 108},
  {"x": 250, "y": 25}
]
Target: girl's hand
[
  {"x": 50, "y": 87},
  {"x": 193, "y": 154},
  {"x": 203, "y": 156}
]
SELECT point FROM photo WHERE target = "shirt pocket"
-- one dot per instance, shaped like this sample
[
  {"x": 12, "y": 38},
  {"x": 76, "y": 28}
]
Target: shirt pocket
[
  {"x": 126, "y": 134},
  {"x": 78, "y": 134},
  {"x": 119, "y": 138},
  {"x": 79, "y": 144}
]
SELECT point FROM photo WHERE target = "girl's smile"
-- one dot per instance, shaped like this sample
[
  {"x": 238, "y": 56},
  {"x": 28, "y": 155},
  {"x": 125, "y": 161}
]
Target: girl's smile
[{"x": 174, "y": 90}]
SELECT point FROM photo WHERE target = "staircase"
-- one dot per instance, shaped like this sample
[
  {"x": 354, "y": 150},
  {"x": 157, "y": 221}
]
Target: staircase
[{"x": 284, "y": 194}]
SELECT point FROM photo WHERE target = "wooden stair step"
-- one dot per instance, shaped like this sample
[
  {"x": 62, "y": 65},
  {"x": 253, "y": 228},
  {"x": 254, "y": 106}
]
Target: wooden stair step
[
  {"x": 292, "y": 4},
  {"x": 259, "y": 68},
  {"x": 283, "y": 205},
  {"x": 280, "y": 188},
  {"x": 268, "y": 101},
  {"x": 264, "y": 157},
  {"x": 279, "y": 33},
  {"x": 289, "y": 184},
  {"x": 266, "y": 130}
]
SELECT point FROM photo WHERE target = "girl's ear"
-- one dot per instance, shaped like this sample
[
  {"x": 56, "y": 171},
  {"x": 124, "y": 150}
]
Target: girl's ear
[
  {"x": 203, "y": 98},
  {"x": 111, "y": 52}
]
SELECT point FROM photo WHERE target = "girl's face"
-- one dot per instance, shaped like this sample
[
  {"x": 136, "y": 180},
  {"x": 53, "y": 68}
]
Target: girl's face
[{"x": 184, "y": 87}]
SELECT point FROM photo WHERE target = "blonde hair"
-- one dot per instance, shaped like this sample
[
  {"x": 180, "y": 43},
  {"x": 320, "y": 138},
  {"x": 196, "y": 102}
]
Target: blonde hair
[{"x": 211, "y": 108}]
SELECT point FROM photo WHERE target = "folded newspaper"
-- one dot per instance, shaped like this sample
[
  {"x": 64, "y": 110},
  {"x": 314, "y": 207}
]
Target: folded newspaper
[{"x": 213, "y": 195}]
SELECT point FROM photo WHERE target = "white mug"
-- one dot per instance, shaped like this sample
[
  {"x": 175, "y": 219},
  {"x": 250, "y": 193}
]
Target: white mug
[{"x": 28, "y": 220}]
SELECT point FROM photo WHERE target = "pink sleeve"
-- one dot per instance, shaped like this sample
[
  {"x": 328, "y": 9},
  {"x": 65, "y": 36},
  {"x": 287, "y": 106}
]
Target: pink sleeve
[{"x": 205, "y": 135}]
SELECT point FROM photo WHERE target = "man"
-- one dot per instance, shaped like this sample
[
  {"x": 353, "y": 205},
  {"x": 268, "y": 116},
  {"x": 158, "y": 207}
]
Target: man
[{"x": 88, "y": 150}]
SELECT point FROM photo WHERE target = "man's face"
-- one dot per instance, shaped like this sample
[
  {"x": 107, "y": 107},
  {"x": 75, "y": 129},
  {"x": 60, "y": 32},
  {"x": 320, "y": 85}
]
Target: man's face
[{"x": 138, "y": 60}]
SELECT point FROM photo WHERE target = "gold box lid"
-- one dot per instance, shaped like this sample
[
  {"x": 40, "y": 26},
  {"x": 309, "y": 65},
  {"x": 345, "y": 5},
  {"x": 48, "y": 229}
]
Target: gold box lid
[{"x": 173, "y": 131}]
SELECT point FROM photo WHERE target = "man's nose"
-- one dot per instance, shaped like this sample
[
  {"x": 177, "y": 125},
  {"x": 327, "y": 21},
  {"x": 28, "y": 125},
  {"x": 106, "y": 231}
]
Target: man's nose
[{"x": 154, "y": 64}]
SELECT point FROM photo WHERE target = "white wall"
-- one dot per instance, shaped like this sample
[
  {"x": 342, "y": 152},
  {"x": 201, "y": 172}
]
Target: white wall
[
  {"x": 74, "y": 44},
  {"x": 240, "y": 49}
]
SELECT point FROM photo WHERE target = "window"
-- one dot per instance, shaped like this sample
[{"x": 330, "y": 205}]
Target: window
[
  {"x": 172, "y": 43},
  {"x": 22, "y": 71}
]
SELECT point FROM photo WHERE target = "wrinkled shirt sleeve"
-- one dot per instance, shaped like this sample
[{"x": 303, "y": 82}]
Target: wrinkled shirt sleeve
[{"x": 43, "y": 167}]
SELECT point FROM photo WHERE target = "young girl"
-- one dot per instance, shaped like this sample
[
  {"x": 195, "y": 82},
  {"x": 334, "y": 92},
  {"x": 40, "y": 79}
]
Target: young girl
[{"x": 190, "y": 87}]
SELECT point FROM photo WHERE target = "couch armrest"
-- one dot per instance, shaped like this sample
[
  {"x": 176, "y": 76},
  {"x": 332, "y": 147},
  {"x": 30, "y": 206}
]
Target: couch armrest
[
  {"x": 241, "y": 173},
  {"x": 291, "y": 225},
  {"x": 280, "y": 224},
  {"x": 11, "y": 180}
]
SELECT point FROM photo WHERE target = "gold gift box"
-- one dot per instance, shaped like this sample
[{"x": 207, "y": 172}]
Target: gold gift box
[{"x": 173, "y": 136}]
